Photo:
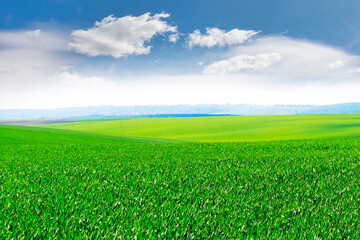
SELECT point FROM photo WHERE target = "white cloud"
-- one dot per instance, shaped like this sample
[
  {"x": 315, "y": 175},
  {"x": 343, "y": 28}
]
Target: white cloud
[
  {"x": 174, "y": 37},
  {"x": 33, "y": 40},
  {"x": 337, "y": 63},
  {"x": 28, "y": 59},
  {"x": 36, "y": 32},
  {"x": 217, "y": 37},
  {"x": 35, "y": 73},
  {"x": 301, "y": 61},
  {"x": 119, "y": 37},
  {"x": 243, "y": 62}
]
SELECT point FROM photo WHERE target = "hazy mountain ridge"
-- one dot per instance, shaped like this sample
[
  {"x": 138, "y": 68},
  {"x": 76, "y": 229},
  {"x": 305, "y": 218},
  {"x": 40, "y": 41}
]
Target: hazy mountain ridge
[{"x": 176, "y": 110}]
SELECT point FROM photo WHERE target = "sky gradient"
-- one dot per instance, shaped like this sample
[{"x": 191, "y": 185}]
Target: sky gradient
[{"x": 90, "y": 53}]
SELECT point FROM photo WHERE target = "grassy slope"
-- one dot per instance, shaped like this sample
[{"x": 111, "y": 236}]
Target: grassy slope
[
  {"x": 52, "y": 189},
  {"x": 10, "y": 135},
  {"x": 209, "y": 129}
]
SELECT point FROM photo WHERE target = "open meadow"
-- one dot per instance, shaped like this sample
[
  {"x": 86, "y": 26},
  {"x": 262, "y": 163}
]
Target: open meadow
[
  {"x": 224, "y": 129},
  {"x": 267, "y": 177}
]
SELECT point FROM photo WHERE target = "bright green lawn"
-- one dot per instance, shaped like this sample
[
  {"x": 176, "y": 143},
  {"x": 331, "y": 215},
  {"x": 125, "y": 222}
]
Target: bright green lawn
[{"x": 225, "y": 129}]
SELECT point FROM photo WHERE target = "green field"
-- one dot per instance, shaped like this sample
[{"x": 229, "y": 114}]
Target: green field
[
  {"x": 141, "y": 178},
  {"x": 15, "y": 135},
  {"x": 224, "y": 129}
]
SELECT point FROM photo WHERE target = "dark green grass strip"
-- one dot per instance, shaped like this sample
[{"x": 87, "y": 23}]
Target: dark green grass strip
[{"x": 10, "y": 134}]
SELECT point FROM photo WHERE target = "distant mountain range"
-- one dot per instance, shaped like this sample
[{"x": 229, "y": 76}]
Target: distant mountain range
[{"x": 176, "y": 111}]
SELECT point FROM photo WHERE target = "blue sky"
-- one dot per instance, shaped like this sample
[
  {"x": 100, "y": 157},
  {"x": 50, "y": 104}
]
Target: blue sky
[
  {"x": 329, "y": 21},
  {"x": 300, "y": 52}
]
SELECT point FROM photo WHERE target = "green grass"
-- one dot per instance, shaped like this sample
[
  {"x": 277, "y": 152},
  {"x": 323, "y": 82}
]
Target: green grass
[
  {"x": 62, "y": 184},
  {"x": 225, "y": 129},
  {"x": 15, "y": 135}
]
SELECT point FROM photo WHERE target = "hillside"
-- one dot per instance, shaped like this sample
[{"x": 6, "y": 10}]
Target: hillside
[{"x": 224, "y": 129}]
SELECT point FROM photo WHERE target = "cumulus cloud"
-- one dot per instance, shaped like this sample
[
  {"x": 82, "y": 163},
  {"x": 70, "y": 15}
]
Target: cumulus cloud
[
  {"x": 301, "y": 61},
  {"x": 119, "y": 37},
  {"x": 217, "y": 37},
  {"x": 35, "y": 72},
  {"x": 243, "y": 62}
]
